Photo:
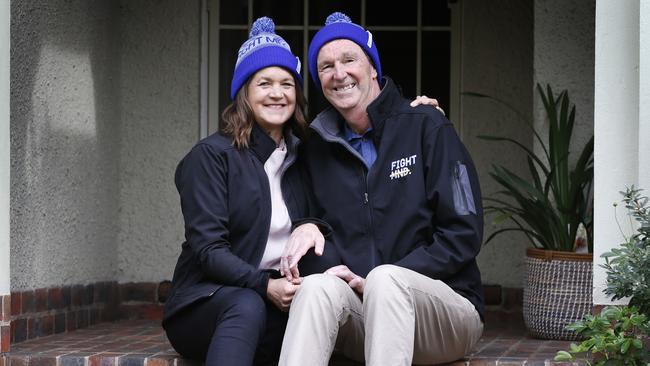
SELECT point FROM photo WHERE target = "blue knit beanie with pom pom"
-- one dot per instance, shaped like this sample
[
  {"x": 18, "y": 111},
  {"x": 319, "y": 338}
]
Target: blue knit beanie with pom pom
[
  {"x": 339, "y": 26},
  {"x": 263, "y": 48}
]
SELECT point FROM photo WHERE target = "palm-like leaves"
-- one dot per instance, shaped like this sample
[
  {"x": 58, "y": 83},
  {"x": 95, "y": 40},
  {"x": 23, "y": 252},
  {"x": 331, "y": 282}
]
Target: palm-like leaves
[{"x": 549, "y": 207}]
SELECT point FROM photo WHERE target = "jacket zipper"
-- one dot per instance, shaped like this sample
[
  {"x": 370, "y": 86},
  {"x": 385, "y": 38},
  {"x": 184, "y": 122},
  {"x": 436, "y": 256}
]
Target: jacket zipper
[
  {"x": 289, "y": 160},
  {"x": 366, "y": 198},
  {"x": 366, "y": 202}
]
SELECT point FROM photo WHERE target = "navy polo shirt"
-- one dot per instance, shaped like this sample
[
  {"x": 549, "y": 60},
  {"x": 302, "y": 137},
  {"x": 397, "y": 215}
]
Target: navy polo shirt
[{"x": 362, "y": 143}]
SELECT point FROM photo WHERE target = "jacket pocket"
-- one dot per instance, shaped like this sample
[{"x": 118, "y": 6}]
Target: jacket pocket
[{"x": 462, "y": 190}]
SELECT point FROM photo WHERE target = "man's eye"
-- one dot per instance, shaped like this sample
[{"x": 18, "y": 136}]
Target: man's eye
[
  {"x": 325, "y": 67},
  {"x": 288, "y": 85}
]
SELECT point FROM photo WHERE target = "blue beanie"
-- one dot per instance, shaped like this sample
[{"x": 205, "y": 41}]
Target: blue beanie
[
  {"x": 337, "y": 26},
  {"x": 263, "y": 48}
]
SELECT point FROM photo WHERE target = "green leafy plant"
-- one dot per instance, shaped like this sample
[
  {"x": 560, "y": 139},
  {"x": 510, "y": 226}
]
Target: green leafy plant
[
  {"x": 549, "y": 207},
  {"x": 628, "y": 267},
  {"x": 615, "y": 336}
]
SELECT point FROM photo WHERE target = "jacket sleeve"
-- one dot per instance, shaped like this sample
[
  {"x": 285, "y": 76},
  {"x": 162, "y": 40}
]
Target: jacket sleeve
[
  {"x": 202, "y": 182},
  {"x": 453, "y": 193}
]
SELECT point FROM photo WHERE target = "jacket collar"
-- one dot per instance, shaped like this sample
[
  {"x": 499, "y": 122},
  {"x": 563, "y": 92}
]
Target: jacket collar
[
  {"x": 262, "y": 145},
  {"x": 329, "y": 122},
  {"x": 383, "y": 106}
]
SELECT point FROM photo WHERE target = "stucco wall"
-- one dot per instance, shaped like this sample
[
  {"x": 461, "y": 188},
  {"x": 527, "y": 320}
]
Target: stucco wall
[
  {"x": 564, "y": 58},
  {"x": 159, "y": 83},
  {"x": 4, "y": 148},
  {"x": 64, "y": 142},
  {"x": 497, "y": 56}
]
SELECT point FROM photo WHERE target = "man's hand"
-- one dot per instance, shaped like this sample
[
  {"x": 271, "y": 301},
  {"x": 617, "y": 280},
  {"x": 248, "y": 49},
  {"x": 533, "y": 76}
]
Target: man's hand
[
  {"x": 357, "y": 283},
  {"x": 280, "y": 292},
  {"x": 423, "y": 99},
  {"x": 303, "y": 238}
]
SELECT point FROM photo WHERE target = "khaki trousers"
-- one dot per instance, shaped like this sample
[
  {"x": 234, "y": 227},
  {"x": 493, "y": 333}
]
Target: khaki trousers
[{"x": 404, "y": 318}]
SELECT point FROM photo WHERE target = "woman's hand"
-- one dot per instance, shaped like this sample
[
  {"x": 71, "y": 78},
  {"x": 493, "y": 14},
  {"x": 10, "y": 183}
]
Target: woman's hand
[
  {"x": 303, "y": 238},
  {"x": 280, "y": 292},
  {"x": 423, "y": 99}
]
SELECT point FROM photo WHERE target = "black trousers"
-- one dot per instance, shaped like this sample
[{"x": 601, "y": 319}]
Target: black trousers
[{"x": 235, "y": 326}]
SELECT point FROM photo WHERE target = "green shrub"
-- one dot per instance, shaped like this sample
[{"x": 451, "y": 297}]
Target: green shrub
[
  {"x": 615, "y": 336},
  {"x": 628, "y": 267}
]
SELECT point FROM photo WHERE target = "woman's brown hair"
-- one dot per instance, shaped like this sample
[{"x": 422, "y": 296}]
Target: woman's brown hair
[{"x": 237, "y": 118}]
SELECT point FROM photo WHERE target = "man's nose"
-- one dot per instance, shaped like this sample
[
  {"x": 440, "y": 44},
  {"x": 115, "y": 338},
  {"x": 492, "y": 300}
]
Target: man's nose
[{"x": 339, "y": 71}]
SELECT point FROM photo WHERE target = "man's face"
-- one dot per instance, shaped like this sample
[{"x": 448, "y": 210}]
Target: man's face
[{"x": 348, "y": 79}]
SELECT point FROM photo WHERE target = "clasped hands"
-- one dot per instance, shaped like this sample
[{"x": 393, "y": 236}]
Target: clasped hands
[
  {"x": 281, "y": 290},
  {"x": 306, "y": 236},
  {"x": 303, "y": 238}
]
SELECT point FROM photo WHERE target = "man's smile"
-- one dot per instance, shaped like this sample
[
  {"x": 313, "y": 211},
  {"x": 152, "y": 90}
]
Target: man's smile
[{"x": 345, "y": 87}]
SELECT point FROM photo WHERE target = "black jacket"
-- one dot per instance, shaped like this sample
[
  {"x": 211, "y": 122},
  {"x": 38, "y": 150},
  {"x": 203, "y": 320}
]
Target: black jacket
[
  {"x": 418, "y": 207},
  {"x": 226, "y": 204}
]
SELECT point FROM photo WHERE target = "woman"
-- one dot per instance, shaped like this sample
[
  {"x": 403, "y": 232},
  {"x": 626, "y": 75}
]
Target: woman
[{"x": 241, "y": 195}]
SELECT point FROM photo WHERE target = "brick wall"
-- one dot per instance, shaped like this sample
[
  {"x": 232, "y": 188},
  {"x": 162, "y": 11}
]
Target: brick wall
[
  {"x": 46, "y": 311},
  {"x": 42, "y": 312}
]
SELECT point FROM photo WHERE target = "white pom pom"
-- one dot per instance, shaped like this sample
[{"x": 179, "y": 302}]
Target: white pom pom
[
  {"x": 337, "y": 17},
  {"x": 262, "y": 25}
]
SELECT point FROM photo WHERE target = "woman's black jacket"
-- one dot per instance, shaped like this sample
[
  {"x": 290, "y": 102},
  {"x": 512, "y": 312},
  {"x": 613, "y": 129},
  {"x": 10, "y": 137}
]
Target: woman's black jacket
[{"x": 226, "y": 205}]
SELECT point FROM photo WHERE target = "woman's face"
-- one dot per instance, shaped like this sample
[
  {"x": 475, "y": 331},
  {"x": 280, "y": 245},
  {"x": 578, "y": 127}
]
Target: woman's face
[{"x": 272, "y": 96}]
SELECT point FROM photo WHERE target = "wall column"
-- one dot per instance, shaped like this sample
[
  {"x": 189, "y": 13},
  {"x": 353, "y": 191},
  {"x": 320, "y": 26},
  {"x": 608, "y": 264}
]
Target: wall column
[
  {"x": 5, "y": 302},
  {"x": 617, "y": 151},
  {"x": 644, "y": 96}
]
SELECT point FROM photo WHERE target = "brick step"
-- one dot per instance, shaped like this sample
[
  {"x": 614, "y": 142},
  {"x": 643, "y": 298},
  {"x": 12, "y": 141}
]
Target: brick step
[{"x": 143, "y": 343}]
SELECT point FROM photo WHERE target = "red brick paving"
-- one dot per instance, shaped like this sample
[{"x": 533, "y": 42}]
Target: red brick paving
[{"x": 143, "y": 343}]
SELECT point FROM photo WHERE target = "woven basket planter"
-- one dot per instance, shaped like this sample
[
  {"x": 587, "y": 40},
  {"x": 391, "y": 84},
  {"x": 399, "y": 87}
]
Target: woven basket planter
[{"x": 558, "y": 292}]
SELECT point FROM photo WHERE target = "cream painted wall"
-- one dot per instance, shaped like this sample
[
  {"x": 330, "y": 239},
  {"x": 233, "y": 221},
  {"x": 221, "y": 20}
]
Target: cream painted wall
[
  {"x": 104, "y": 103},
  {"x": 159, "y": 85},
  {"x": 497, "y": 59},
  {"x": 4, "y": 148},
  {"x": 64, "y": 142},
  {"x": 564, "y": 58}
]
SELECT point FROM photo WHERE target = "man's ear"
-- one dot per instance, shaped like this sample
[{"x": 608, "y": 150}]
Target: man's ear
[{"x": 373, "y": 73}]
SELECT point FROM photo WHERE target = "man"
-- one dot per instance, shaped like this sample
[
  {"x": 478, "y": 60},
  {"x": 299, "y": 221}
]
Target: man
[{"x": 402, "y": 195}]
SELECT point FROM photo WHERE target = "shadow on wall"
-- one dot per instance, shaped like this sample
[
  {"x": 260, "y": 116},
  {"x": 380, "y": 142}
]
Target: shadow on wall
[{"x": 64, "y": 142}]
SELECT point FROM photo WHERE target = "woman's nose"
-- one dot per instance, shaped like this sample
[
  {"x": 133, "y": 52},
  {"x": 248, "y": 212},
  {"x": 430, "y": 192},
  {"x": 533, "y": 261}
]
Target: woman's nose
[{"x": 276, "y": 91}]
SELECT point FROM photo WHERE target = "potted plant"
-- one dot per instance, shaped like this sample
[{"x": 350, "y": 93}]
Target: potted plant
[
  {"x": 616, "y": 335},
  {"x": 552, "y": 209}
]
